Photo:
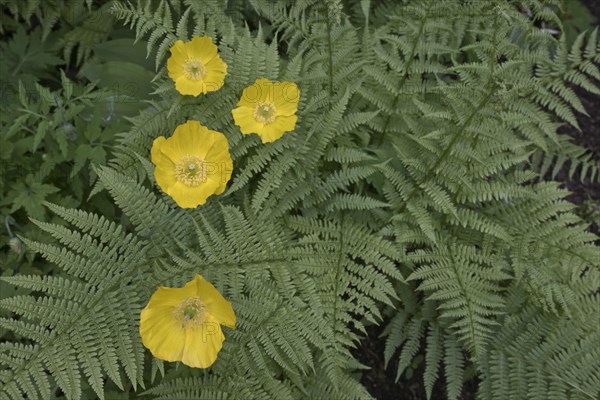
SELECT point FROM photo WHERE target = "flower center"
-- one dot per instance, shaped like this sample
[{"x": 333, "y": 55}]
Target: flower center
[
  {"x": 191, "y": 170},
  {"x": 190, "y": 313},
  {"x": 265, "y": 112},
  {"x": 194, "y": 69}
]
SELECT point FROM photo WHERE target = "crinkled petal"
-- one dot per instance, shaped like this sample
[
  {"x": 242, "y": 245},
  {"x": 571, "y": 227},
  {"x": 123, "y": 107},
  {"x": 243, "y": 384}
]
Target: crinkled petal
[
  {"x": 287, "y": 96},
  {"x": 161, "y": 333},
  {"x": 251, "y": 96},
  {"x": 170, "y": 340},
  {"x": 243, "y": 117},
  {"x": 164, "y": 173},
  {"x": 189, "y": 87},
  {"x": 277, "y": 128},
  {"x": 190, "y": 138},
  {"x": 178, "y": 51},
  {"x": 218, "y": 151},
  {"x": 155, "y": 152},
  {"x": 204, "y": 50},
  {"x": 168, "y": 296},
  {"x": 175, "y": 67},
  {"x": 219, "y": 163},
  {"x": 201, "y": 48},
  {"x": 262, "y": 89},
  {"x": 192, "y": 196},
  {"x": 196, "y": 138},
  {"x": 216, "y": 70},
  {"x": 222, "y": 175},
  {"x": 202, "y": 344},
  {"x": 266, "y": 89},
  {"x": 215, "y": 303}
]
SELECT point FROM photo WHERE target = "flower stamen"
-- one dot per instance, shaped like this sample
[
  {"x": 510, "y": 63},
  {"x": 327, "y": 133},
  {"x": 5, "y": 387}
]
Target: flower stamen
[
  {"x": 265, "y": 112},
  {"x": 191, "y": 170},
  {"x": 194, "y": 69},
  {"x": 190, "y": 313}
]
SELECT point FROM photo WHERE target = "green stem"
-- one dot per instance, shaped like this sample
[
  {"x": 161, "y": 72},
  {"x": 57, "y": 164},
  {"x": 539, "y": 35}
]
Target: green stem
[
  {"x": 402, "y": 82},
  {"x": 330, "y": 50}
]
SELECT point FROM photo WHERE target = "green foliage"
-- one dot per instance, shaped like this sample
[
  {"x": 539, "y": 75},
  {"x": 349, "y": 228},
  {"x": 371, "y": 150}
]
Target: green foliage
[
  {"x": 415, "y": 192},
  {"x": 538, "y": 357},
  {"x": 56, "y": 123},
  {"x": 576, "y": 18}
]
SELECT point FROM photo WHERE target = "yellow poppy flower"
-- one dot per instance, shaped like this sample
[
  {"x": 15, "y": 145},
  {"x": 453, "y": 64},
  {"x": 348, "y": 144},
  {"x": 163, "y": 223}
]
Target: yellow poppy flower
[
  {"x": 193, "y": 164},
  {"x": 184, "y": 324},
  {"x": 196, "y": 66},
  {"x": 268, "y": 109}
]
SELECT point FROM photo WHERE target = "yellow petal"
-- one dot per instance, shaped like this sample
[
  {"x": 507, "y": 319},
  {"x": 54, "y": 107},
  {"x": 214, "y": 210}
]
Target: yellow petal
[
  {"x": 244, "y": 118},
  {"x": 219, "y": 190},
  {"x": 250, "y": 96},
  {"x": 262, "y": 89},
  {"x": 215, "y": 303},
  {"x": 178, "y": 51},
  {"x": 173, "y": 148},
  {"x": 223, "y": 175},
  {"x": 155, "y": 152},
  {"x": 266, "y": 91},
  {"x": 201, "y": 48},
  {"x": 196, "y": 138},
  {"x": 216, "y": 70},
  {"x": 205, "y": 51},
  {"x": 218, "y": 151},
  {"x": 168, "y": 296},
  {"x": 202, "y": 344},
  {"x": 287, "y": 96},
  {"x": 164, "y": 173},
  {"x": 190, "y": 138},
  {"x": 192, "y": 197},
  {"x": 175, "y": 67},
  {"x": 172, "y": 339},
  {"x": 161, "y": 333},
  {"x": 165, "y": 177},
  {"x": 189, "y": 87},
  {"x": 277, "y": 128},
  {"x": 219, "y": 164}
]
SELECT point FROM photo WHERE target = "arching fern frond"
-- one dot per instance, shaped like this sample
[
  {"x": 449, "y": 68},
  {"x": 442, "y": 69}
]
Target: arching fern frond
[{"x": 81, "y": 323}]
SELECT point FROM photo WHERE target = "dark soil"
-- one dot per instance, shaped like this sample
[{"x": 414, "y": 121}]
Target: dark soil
[
  {"x": 588, "y": 137},
  {"x": 380, "y": 382}
]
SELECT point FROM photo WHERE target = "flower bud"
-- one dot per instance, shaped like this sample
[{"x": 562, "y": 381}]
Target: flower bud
[{"x": 16, "y": 245}]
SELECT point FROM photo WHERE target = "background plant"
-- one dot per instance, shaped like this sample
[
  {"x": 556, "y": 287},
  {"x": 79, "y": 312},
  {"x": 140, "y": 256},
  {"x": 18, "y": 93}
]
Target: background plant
[{"x": 411, "y": 194}]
